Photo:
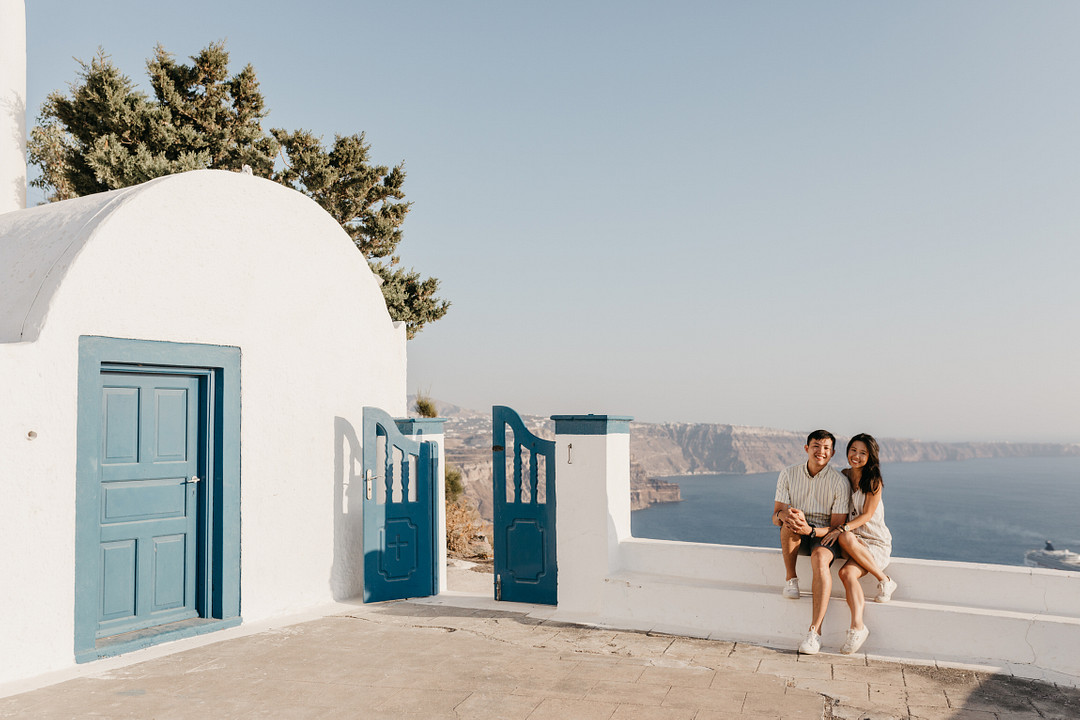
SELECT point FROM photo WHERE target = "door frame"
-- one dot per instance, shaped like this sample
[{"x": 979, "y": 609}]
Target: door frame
[{"x": 217, "y": 574}]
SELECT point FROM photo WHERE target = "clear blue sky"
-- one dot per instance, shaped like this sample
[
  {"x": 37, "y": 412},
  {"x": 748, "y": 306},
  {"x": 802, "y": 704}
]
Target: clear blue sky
[{"x": 862, "y": 216}]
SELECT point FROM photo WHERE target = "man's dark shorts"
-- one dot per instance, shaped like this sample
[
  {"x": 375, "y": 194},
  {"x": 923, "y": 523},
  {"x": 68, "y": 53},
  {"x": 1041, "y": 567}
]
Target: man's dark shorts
[{"x": 809, "y": 542}]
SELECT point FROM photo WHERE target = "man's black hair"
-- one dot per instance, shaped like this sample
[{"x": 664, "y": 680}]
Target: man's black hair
[{"x": 821, "y": 435}]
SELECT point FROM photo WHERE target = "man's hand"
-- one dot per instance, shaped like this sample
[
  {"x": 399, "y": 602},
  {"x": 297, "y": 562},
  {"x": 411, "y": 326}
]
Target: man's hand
[{"x": 795, "y": 521}]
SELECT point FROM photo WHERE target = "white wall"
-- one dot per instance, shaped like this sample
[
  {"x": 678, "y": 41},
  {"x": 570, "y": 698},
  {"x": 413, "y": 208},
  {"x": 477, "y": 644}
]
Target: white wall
[
  {"x": 12, "y": 105},
  {"x": 204, "y": 257},
  {"x": 1023, "y": 621}
]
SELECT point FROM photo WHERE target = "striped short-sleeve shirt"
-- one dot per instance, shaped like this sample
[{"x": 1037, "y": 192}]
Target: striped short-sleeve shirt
[{"x": 825, "y": 494}]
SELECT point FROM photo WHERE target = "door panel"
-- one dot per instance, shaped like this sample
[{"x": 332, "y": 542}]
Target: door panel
[
  {"x": 118, "y": 570},
  {"x": 148, "y": 521}
]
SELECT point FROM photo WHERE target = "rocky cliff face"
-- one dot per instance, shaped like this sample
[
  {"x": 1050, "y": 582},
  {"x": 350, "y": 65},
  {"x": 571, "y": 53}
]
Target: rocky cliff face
[
  {"x": 685, "y": 449},
  {"x": 664, "y": 449}
]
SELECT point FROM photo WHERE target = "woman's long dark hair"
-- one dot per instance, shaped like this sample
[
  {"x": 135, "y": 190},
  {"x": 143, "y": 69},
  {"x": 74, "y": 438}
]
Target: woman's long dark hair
[{"x": 870, "y": 481}]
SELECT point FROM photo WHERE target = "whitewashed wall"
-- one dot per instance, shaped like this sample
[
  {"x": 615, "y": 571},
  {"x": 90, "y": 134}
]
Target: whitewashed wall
[
  {"x": 205, "y": 257},
  {"x": 1022, "y": 621}
]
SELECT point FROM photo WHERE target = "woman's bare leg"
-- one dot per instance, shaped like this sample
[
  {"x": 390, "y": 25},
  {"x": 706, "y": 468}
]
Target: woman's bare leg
[
  {"x": 850, "y": 573},
  {"x": 859, "y": 554}
]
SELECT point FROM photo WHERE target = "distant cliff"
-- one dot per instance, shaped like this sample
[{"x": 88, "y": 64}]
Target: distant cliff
[
  {"x": 690, "y": 448},
  {"x": 664, "y": 449}
]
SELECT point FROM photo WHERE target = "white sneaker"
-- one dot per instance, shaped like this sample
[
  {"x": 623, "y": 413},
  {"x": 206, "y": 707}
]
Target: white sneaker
[
  {"x": 885, "y": 589},
  {"x": 855, "y": 639},
  {"x": 811, "y": 644},
  {"x": 791, "y": 588}
]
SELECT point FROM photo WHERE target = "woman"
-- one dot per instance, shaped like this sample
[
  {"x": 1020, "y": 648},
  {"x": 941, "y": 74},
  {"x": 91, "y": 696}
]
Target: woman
[{"x": 863, "y": 538}]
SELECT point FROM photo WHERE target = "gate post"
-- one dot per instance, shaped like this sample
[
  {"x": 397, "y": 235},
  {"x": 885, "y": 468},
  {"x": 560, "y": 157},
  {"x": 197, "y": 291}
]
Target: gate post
[
  {"x": 592, "y": 481},
  {"x": 431, "y": 429}
]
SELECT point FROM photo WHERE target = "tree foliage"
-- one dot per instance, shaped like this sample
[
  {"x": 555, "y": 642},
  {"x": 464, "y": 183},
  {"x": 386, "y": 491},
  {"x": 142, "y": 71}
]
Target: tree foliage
[{"x": 106, "y": 134}]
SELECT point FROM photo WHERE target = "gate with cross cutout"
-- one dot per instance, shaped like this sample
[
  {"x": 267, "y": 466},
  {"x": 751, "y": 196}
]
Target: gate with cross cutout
[{"x": 399, "y": 504}]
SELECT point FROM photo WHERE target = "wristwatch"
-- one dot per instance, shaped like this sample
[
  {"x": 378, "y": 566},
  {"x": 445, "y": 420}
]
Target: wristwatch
[
  {"x": 813, "y": 531},
  {"x": 844, "y": 528}
]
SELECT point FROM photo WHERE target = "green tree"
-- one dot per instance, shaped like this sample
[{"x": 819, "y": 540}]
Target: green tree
[{"x": 106, "y": 134}]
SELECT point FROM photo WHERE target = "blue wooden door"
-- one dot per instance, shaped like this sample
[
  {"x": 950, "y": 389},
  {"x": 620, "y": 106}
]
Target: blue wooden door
[
  {"x": 524, "y": 527},
  {"x": 149, "y": 484},
  {"x": 399, "y": 519}
]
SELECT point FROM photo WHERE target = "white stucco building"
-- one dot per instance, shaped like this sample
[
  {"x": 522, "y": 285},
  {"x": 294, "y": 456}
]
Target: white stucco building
[{"x": 185, "y": 366}]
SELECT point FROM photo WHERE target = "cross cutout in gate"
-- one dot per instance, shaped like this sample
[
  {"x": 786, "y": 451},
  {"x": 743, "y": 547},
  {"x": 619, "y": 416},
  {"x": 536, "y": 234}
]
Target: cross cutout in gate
[{"x": 396, "y": 546}]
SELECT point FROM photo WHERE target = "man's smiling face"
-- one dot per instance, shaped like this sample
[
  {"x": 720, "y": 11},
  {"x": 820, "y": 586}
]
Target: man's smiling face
[{"x": 820, "y": 452}]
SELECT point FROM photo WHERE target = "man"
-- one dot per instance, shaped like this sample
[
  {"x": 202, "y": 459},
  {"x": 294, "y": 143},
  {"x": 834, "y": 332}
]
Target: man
[{"x": 811, "y": 499}]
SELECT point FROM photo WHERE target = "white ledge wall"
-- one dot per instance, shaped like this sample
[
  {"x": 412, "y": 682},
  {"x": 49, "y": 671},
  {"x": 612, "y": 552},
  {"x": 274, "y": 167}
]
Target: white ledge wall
[{"x": 1022, "y": 621}]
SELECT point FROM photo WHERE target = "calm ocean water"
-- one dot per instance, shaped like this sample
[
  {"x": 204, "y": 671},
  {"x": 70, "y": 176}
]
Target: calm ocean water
[{"x": 987, "y": 511}]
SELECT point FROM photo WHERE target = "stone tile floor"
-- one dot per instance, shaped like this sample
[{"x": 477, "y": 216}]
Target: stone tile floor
[{"x": 442, "y": 658}]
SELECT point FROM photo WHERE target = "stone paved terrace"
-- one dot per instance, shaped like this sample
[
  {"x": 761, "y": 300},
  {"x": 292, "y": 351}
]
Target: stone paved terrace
[{"x": 461, "y": 655}]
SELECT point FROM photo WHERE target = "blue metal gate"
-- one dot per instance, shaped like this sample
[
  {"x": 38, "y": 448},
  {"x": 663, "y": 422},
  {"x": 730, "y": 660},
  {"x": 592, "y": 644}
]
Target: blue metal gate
[
  {"x": 399, "y": 500},
  {"x": 525, "y": 567}
]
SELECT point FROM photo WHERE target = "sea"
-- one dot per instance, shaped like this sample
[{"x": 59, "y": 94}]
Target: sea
[{"x": 982, "y": 510}]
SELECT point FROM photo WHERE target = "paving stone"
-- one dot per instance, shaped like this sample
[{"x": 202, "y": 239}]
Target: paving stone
[
  {"x": 18, "y": 704},
  {"x": 936, "y": 713},
  {"x": 684, "y": 697},
  {"x": 696, "y": 650},
  {"x": 429, "y": 701},
  {"x": 1057, "y": 703},
  {"x": 639, "y": 644},
  {"x": 926, "y": 697},
  {"x": 608, "y": 671},
  {"x": 318, "y": 694},
  {"x": 995, "y": 701},
  {"x": 891, "y": 695},
  {"x": 788, "y": 668},
  {"x": 557, "y": 709},
  {"x": 643, "y": 712},
  {"x": 877, "y": 675},
  {"x": 728, "y": 715},
  {"x": 794, "y": 704},
  {"x": 921, "y": 676},
  {"x": 869, "y": 712},
  {"x": 628, "y": 693},
  {"x": 842, "y": 689},
  {"x": 571, "y": 688},
  {"x": 492, "y": 706},
  {"x": 758, "y": 682},
  {"x": 683, "y": 677},
  {"x": 732, "y": 664}
]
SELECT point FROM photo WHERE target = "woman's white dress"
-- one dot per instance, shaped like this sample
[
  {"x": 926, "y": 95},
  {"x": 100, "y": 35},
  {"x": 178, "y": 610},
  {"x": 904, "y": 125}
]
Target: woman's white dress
[{"x": 873, "y": 533}]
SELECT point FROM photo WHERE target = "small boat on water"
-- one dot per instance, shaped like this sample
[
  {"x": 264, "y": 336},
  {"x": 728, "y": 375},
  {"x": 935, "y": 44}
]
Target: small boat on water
[{"x": 1048, "y": 557}]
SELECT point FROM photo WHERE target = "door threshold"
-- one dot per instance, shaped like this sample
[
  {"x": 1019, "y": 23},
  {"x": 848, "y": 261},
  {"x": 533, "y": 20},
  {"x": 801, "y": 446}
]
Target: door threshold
[{"x": 140, "y": 639}]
